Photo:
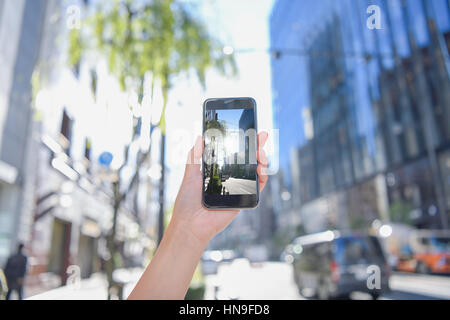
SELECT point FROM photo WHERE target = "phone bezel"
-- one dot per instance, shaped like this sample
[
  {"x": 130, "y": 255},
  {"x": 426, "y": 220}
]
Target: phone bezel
[{"x": 230, "y": 201}]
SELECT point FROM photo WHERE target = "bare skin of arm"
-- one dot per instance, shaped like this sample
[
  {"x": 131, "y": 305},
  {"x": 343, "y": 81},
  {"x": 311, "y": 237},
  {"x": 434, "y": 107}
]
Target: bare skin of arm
[{"x": 191, "y": 228}]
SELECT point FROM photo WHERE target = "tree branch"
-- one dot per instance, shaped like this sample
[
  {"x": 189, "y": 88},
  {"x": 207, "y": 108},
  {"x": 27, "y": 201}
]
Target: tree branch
[{"x": 142, "y": 159}]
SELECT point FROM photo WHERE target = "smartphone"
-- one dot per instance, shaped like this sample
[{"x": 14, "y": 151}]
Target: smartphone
[{"x": 230, "y": 180}]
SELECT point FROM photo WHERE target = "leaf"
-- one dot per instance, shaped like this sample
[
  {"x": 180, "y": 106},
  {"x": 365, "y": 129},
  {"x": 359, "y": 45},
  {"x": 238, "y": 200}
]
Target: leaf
[{"x": 75, "y": 47}]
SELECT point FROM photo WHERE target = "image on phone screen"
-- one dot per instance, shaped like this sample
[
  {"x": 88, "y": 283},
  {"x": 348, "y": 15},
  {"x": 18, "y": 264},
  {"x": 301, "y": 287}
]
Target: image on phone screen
[{"x": 230, "y": 178}]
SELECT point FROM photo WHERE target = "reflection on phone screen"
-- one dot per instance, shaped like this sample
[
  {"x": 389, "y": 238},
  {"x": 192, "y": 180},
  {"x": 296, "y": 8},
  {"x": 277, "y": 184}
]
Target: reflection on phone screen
[{"x": 230, "y": 152}]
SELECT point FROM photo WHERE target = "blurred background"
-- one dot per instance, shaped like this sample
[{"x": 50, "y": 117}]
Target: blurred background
[{"x": 101, "y": 100}]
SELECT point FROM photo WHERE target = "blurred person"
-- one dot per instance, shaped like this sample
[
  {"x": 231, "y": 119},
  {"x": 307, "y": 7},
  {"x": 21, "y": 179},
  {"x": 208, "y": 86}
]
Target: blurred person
[
  {"x": 15, "y": 270},
  {"x": 191, "y": 228},
  {"x": 3, "y": 285}
]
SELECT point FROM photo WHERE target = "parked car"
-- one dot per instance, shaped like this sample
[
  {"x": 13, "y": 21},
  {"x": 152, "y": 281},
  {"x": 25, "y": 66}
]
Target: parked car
[
  {"x": 427, "y": 251},
  {"x": 288, "y": 254},
  {"x": 333, "y": 265}
]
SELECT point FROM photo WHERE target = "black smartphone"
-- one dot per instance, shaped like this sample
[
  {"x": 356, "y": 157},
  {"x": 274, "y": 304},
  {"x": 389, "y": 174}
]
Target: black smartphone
[{"x": 230, "y": 179}]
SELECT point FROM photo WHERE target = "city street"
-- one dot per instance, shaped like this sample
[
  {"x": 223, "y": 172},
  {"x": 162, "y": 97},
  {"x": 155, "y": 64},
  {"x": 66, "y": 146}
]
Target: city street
[
  {"x": 414, "y": 286},
  {"x": 240, "y": 186},
  {"x": 94, "y": 288},
  {"x": 265, "y": 281},
  {"x": 274, "y": 280}
]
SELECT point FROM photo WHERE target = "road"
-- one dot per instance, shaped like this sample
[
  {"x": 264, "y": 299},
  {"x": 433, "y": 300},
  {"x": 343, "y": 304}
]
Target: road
[
  {"x": 266, "y": 281},
  {"x": 274, "y": 280},
  {"x": 239, "y": 280},
  {"x": 240, "y": 186},
  {"x": 407, "y": 286},
  {"x": 94, "y": 288}
]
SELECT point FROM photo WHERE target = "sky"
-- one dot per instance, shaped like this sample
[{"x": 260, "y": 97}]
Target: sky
[
  {"x": 231, "y": 140},
  {"x": 231, "y": 117}
]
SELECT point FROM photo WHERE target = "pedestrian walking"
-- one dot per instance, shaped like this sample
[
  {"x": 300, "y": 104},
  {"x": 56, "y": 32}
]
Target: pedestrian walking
[{"x": 15, "y": 270}]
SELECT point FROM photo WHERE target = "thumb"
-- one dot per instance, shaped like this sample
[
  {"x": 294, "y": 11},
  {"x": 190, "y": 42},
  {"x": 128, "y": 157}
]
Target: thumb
[
  {"x": 262, "y": 139},
  {"x": 195, "y": 158}
]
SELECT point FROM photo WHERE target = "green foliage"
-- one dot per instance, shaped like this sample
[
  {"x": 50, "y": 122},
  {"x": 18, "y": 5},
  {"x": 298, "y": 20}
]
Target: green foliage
[
  {"x": 280, "y": 240},
  {"x": 214, "y": 124},
  {"x": 196, "y": 293},
  {"x": 75, "y": 47},
  {"x": 197, "y": 287},
  {"x": 399, "y": 211},
  {"x": 357, "y": 221},
  {"x": 300, "y": 230},
  {"x": 160, "y": 36},
  {"x": 168, "y": 216},
  {"x": 214, "y": 185},
  {"x": 35, "y": 85}
]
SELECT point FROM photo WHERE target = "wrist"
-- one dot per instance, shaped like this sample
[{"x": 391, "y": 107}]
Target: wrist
[{"x": 180, "y": 232}]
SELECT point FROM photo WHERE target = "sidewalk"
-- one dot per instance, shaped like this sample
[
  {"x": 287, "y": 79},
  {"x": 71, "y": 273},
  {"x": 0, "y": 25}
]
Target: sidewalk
[{"x": 94, "y": 288}]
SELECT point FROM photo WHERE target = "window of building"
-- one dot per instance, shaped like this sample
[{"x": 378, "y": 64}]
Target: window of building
[
  {"x": 66, "y": 131},
  {"x": 87, "y": 149}
]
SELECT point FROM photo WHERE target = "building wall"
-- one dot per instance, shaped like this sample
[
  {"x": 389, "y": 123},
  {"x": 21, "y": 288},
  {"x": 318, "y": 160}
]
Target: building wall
[
  {"x": 10, "y": 28},
  {"x": 352, "y": 102},
  {"x": 20, "y": 28},
  {"x": 60, "y": 203},
  {"x": 73, "y": 197},
  {"x": 72, "y": 207}
]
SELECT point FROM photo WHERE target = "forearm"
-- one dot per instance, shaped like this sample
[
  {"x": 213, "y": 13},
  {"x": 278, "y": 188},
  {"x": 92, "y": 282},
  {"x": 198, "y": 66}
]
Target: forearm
[{"x": 170, "y": 272}]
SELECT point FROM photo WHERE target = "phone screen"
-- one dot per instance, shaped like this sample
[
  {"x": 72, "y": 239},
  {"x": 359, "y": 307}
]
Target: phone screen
[{"x": 229, "y": 161}]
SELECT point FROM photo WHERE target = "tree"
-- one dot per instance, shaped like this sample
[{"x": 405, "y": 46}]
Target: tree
[
  {"x": 212, "y": 171},
  {"x": 400, "y": 212},
  {"x": 160, "y": 39}
]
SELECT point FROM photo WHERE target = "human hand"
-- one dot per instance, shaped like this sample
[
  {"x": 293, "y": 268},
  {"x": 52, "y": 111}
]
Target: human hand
[
  {"x": 192, "y": 226},
  {"x": 189, "y": 213}
]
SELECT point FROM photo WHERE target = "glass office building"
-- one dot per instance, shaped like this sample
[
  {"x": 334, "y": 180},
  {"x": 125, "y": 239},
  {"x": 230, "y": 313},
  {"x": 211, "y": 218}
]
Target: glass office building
[{"x": 363, "y": 112}]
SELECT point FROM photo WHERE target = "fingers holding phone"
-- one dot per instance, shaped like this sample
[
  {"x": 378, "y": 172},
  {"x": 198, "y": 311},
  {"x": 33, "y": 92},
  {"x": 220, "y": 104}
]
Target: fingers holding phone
[
  {"x": 263, "y": 162},
  {"x": 194, "y": 160}
]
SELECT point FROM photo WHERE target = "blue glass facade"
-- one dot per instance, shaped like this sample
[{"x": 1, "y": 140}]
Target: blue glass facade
[{"x": 354, "y": 104}]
